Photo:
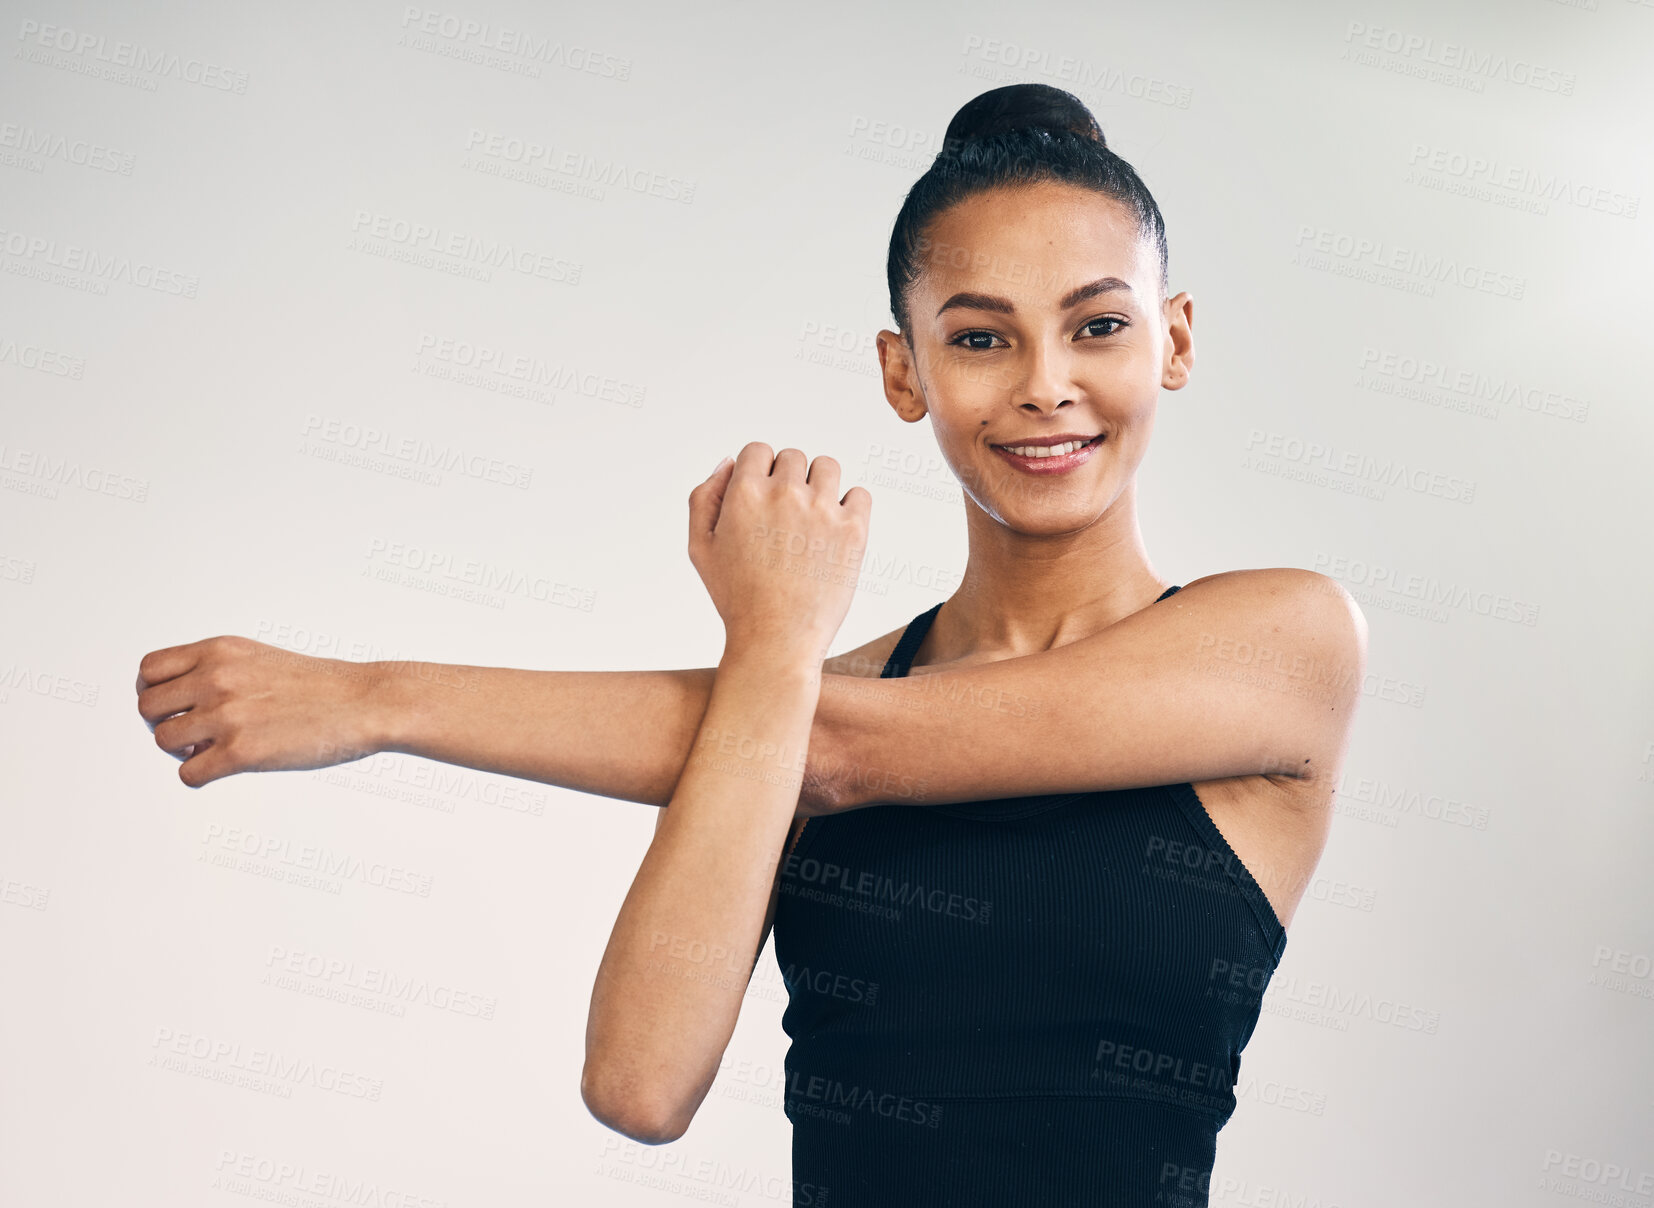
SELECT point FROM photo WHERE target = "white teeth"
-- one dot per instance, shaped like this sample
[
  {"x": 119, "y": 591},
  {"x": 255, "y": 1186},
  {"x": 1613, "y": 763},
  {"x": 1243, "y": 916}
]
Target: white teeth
[{"x": 1045, "y": 450}]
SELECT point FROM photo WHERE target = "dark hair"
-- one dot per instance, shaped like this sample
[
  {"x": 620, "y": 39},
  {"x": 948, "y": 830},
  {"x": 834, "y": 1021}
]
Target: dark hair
[{"x": 1015, "y": 135}]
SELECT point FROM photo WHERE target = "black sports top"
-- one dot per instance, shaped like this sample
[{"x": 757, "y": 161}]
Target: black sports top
[{"x": 1033, "y": 1000}]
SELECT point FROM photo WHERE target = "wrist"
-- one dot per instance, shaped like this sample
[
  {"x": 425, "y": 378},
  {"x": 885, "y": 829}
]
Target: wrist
[
  {"x": 785, "y": 657},
  {"x": 386, "y": 711}
]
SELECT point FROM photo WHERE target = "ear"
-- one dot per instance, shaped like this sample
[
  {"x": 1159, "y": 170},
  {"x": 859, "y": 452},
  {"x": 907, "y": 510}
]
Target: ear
[
  {"x": 1180, "y": 342},
  {"x": 902, "y": 388}
]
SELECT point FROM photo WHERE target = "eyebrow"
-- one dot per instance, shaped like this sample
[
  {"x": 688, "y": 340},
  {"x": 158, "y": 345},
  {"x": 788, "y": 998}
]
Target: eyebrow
[{"x": 970, "y": 301}]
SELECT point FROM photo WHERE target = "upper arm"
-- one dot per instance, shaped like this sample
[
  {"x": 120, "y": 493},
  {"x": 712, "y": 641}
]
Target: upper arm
[{"x": 1239, "y": 673}]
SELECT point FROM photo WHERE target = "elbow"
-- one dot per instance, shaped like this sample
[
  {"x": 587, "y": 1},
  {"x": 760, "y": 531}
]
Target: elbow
[{"x": 632, "y": 1108}]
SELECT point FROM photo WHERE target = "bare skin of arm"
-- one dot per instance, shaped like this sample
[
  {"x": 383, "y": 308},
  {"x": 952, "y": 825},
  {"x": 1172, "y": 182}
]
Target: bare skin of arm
[
  {"x": 1239, "y": 673},
  {"x": 670, "y": 985}
]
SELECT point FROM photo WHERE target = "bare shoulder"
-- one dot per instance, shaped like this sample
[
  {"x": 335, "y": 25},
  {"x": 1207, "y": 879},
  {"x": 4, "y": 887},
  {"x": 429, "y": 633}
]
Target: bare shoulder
[
  {"x": 1312, "y": 595},
  {"x": 1300, "y": 634},
  {"x": 1285, "y": 613}
]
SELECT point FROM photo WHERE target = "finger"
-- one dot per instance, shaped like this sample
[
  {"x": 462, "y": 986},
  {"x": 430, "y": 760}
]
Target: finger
[
  {"x": 177, "y": 734},
  {"x": 206, "y": 765},
  {"x": 859, "y": 501},
  {"x": 164, "y": 699},
  {"x": 755, "y": 459},
  {"x": 706, "y": 501},
  {"x": 790, "y": 465},
  {"x": 824, "y": 476},
  {"x": 169, "y": 662}
]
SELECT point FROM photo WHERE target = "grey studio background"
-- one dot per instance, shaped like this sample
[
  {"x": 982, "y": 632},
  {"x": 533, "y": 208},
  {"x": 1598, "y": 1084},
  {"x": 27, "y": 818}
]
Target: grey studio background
[{"x": 266, "y": 370}]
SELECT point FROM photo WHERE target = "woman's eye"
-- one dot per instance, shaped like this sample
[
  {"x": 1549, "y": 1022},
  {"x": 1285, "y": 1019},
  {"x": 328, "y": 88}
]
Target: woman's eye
[
  {"x": 1092, "y": 326},
  {"x": 980, "y": 340}
]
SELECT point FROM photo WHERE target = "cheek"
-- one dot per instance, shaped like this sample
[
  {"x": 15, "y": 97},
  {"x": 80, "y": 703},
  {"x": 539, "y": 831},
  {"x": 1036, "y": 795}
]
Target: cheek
[{"x": 950, "y": 375}]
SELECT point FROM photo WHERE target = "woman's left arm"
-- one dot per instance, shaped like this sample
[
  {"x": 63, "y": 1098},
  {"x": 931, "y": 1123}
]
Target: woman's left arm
[{"x": 1245, "y": 672}]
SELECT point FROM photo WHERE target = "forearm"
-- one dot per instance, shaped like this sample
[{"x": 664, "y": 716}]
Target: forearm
[
  {"x": 670, "y": 984},
  {"x": 622, "y": 734}
]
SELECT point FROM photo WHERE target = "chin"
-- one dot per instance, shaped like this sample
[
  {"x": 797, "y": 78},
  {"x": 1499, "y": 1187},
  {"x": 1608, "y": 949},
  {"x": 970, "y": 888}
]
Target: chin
[{"x": 1066, "y": 510}]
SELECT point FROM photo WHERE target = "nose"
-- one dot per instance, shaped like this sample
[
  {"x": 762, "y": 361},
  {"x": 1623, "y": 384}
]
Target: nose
[{"x": 1047, "y": 382}]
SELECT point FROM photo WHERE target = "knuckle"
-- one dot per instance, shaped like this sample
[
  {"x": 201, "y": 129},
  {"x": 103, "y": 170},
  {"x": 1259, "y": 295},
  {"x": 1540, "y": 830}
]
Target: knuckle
[{"x": 235, "y": 750}]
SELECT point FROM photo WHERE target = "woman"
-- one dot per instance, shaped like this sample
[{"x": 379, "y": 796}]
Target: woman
[{"x": 1030, "y": 860}]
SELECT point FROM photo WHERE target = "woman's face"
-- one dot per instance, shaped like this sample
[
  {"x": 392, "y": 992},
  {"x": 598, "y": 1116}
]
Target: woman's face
[{"x": 1037, "y": 324}]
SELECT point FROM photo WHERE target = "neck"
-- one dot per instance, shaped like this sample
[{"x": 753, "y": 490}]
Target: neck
[{"x": 1022, "y": 594}]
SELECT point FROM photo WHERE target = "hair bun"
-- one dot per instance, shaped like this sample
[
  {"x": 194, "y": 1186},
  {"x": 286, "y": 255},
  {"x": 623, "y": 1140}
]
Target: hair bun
[{"x": 1022, "y": 107}]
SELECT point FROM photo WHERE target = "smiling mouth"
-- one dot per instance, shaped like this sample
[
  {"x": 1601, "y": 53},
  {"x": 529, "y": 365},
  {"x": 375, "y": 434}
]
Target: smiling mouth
[{"x": 1047, "y": 447}]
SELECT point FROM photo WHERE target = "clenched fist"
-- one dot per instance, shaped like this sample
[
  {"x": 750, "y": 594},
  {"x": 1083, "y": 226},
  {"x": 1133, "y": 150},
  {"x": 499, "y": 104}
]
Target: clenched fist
[
  {"x": 777, "y": 548},
  {"x": 230, "y": 704}
]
